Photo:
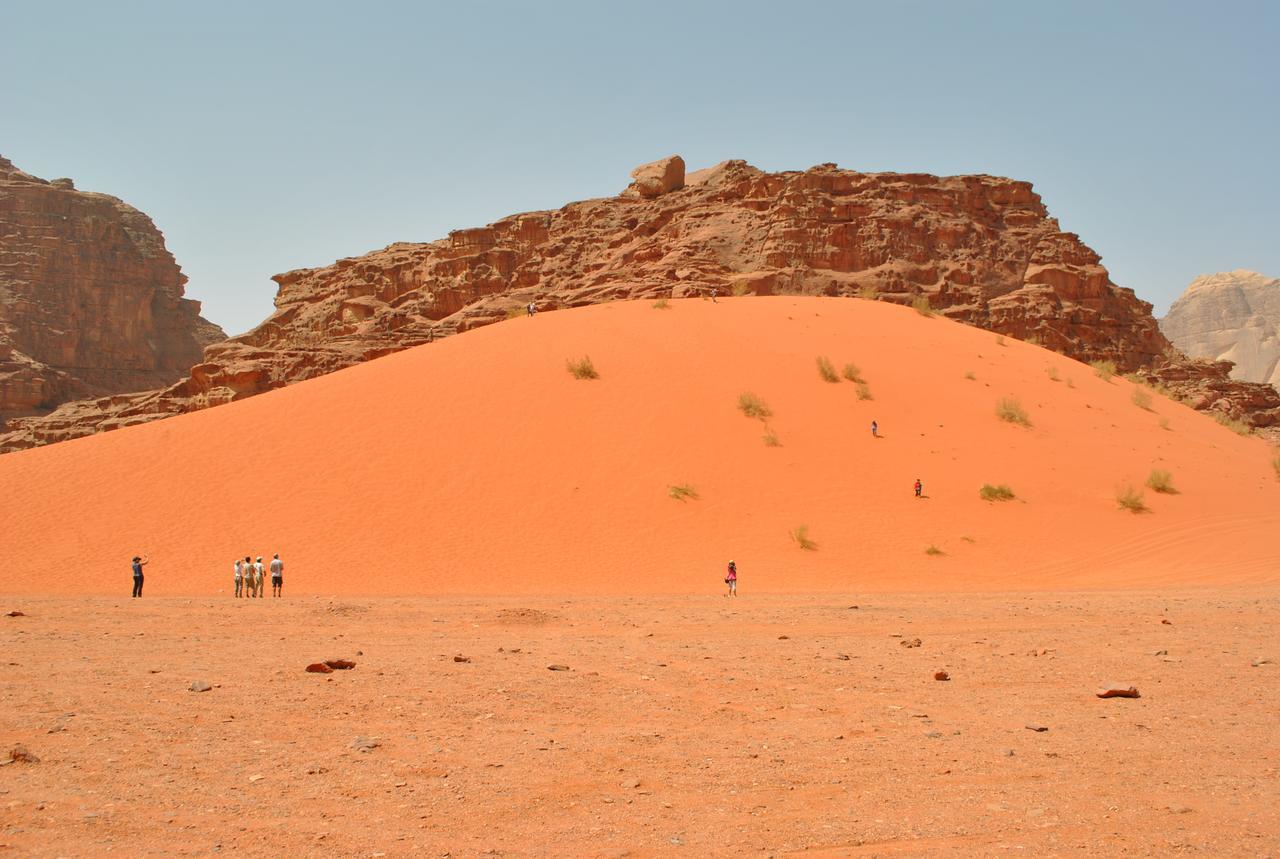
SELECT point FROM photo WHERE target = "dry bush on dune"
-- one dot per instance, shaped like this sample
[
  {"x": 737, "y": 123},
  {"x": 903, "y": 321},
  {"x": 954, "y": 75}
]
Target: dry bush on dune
[
  {"x": 995, "y": 493},
  {"x": 868, "y": 293},
  {"x": 1129, "y": 498},
  {"x": 864, "y": 393},
  {"x": 933, "y": 550},
  {"x": 753, "y": 407},
  {"x": 1238, "y": 427},
  {"x": 740, "y": 288},
  {"x": 971, "y": 376},
  {"x": 800, "y": 536},
  {"x": 1161, "y": 481},
  {"x": 852, "y": 373},
  {"x": 583, "y": 368},
  {"x": 1008, "y": 409},
  {"x": 1275, "y": 464},
  {"x": 827, "y": 370},
  {"x": 1104, "y": 369},
  {"x": 1053, "y": 374},
  {"x": 1141, "y": 398},
  {"x": 771, "y": 439},
  {"x": 682, "y": 492},
  {"x": 662, "y": 304},
  {"x": 1000, "y": 340},
  {"x": 1164, "y": 423},
  {"x": 516, "y": 312},
  {"x": 920, "y": 304}
]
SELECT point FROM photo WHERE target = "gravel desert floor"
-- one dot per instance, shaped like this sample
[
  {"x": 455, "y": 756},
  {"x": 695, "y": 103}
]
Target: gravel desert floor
[{"x": 765, "y": 725}]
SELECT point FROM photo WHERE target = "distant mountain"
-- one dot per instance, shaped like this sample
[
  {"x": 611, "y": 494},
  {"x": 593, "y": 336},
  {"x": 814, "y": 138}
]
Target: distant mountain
[{"x": 1230, "y": 316}]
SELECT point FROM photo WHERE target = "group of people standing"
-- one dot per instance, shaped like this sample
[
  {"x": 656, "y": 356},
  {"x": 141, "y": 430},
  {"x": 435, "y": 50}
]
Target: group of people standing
[{"x": 249, "y": 577}]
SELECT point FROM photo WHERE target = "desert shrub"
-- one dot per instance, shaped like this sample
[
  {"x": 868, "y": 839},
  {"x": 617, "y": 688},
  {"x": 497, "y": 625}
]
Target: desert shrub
[
  {"x": 1238, "y": 427},
  {"x": 753, "y": 407},
  {"x": 1000, "y": 340},
  {"x": 933, "y": 550},
  {"x": 827, "y": 370},
  {"x": 1164, "y": 423},
  {"x": 995, "y": 493},
  {"x": 682, "y": 492},
  {"x": 1275, "y": 464},
  {"x": 1161, "y": 481},
  {"x": 920, "y": 304},
  {"x": 1010, "y": 410},
  {"x": 771, "y": 439},
  {"x": 800, "y": 536},
  {"x": 516, "y": 312},
  {"x": 1104, "y": 369},
  {"x": 864, "y": 393},
  {"x": 583, "y": 368},
  {"x": 1053, "y": 374},
  {"x": 852, "y": 373},
  {"x": 1130, "y": 498},
  {"x": 1141, "y": 398},
  {"x": 868, "y": 293},
  {"x": 740, "y": 287},
  {"x": 1034, "y": 340},
  {"x": 662, "y": 304}
]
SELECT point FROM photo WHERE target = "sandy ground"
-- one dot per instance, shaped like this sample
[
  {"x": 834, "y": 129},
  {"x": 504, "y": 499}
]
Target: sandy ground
[{"x": 769, "y": 725}]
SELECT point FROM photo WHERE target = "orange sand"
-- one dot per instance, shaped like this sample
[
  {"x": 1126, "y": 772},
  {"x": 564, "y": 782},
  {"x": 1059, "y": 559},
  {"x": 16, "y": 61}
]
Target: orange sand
[{"x": 479, "y": 465}]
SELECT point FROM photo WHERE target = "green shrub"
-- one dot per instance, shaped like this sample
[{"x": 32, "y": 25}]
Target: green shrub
[
  {"x": 864, "y": 393},
  {"x": 1161, "y": 481},
  {"x": 920, "y": 304},
  {"x": 1130, "y": 498},
  {"x": 753, "y": 407},
  {"x": 1141, "y": 398},
  {"x": 516, "y": 312},
  {"x": 800, "y": 535},
  {"x": 868, "y": 293},
  {"x": 1104, "y": 369},
  {"x": 1010, "y": 410},
  {"x": 682, "y": 492},
  {"x": 583, "y": 368},
  {"x": 662, "y": 304},
  {"x": 740, "y": 287},
  {"x": 852, "y": 373},
  {"x": 995, "y": 493},
  {"x": 826, "y": 370}
]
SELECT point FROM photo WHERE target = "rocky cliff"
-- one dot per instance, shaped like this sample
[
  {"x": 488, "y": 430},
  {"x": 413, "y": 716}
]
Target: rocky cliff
[
  {"x": 91, "y": 302},
  {"x": 1232, "y": 316},
  {"x": 979, "y": 249}
]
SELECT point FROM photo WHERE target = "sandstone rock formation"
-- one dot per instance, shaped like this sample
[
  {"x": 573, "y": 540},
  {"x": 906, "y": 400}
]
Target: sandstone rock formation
[
  {"x": 91, "y": 302},
  {"x": 979, "y": 249},
  {"x": 1232, "y": 316}
]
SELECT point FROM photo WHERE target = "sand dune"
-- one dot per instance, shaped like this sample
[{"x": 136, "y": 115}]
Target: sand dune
[{"x": 479, "y": 465}]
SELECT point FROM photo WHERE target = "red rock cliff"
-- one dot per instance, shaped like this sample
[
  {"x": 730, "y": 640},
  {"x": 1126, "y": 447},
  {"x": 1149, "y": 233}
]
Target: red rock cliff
[
  {"x": 980, "y": 249},
  {"x": 90, "y": 300}
]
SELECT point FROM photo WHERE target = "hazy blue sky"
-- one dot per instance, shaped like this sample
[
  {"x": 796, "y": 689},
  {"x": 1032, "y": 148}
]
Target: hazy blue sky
[{"x": 263, "y": 137}]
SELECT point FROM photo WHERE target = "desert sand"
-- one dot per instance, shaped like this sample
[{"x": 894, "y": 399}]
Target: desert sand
[
  {"x": 458, "y": 518},
  {"x": 685, "y": 726},
  {"x": 479, "y": 465}
]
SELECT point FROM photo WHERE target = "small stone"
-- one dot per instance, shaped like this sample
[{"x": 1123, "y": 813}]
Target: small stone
[
  {"x": 1166, "y": 621},
  {"x": 319, "y": 668},
  {"x": 934, "y": 735},
  {"x": 1008, "y": 753},
  {"x": 462, "y": 659},
  {"x": 17, "y": 613},
  {"x": 1260, "y": 661},
  {"x": 19, "y": 754},
  {"x": 1161, "y": 653},
  {"x": 257, "y": 777},
  {"x": 1117, "y": 690},
  {"x": 843, "y": 656},
  {"x": 913, "y": 642},
  {"x": 783, "y": 637},
  {"x": 941, "y": 675},
  {"x": 1181, "y": 809},
  {"x": 340, "y": 664},
  {"x": 199, "y": 686},
  {"x": 1039, "y": 729},
  {"x": 631, "y": 783},
  {"x": 365, "y": 744},
  {"x": 557, "y": 667}
]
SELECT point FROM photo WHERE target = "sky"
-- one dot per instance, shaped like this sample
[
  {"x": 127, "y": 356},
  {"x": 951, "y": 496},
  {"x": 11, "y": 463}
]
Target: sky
[{"x": 263, "y": 137}]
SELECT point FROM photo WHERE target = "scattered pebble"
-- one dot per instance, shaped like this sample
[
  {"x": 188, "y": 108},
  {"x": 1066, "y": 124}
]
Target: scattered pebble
[
  {"x": 631, "y": 783},
  {"x": 365, "y": 744},
  {"x": 914, "y": 642},
  {"x": 19, "y": 754},
  {"x": 17, "y": 613},
  {"x": 319, "y": 668},
  {"x": 1260, "y": 661},
  {"x": 1117, "y": 690},
  {"x": 462, "y": 658},
  {"x": 1180, "y": 809},
  {"x": 1039, "y": 729},
  {"x": 941, "y": 675},
  {"x": 200, "y": 686},
  {"x": 557, "y": 667},
  {"x": 339, "y": 664},
  {"x": 257, "y": 777}
]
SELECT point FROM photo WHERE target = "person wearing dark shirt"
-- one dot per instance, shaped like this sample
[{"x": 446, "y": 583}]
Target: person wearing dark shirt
[{"x": 138, "y": 563}]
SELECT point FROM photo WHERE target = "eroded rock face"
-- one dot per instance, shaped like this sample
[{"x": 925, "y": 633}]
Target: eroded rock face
[
  {"x": 980, "y": 249},
  {"x": 1232, "y": 316},
  {"x": 91, "y": 302}
]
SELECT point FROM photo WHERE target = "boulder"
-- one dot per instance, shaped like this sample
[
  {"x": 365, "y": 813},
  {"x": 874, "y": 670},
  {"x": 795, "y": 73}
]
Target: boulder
[{"x": 656, "y": 178}]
